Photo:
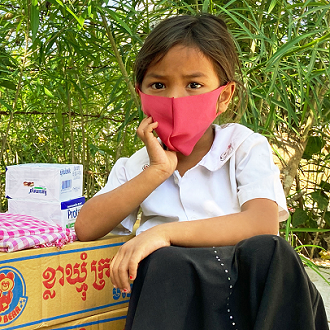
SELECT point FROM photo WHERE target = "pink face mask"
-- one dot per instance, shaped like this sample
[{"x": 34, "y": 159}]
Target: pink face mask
[{"x": 182, "y": 121}]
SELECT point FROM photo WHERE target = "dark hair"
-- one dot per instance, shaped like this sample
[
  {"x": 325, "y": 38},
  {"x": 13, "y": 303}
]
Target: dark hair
[{"x": 207, "y": 32}]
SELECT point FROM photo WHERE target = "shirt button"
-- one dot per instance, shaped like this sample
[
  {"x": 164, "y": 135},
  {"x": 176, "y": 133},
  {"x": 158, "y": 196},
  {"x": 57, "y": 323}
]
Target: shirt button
[{"x": 176, "y": 180}]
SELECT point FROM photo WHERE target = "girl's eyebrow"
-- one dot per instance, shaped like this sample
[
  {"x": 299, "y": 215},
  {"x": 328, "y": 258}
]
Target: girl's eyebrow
[
  {"x": 195, "y": 75},
  {"x": 154, "y": 75},
  {"x": 159, "y": 76}
]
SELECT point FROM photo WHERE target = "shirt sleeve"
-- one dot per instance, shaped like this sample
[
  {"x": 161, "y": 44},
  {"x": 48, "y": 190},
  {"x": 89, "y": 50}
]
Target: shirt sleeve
[
  {"x": 256, "y": 174},
  {"x": 117, "y": 177}
]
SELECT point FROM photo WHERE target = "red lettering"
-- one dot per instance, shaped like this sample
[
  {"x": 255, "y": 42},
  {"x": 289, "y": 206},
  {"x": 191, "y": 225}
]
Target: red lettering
[
  {"x": 76, "y": 274},
  {"x": 61, "y": 269},
  {"x": 73, "y": 275},
  {"x": 10, "y": 316},
  {"x": 48, "y": 294},
  {"x": 50, "y": 279},
  {"x": 101, "y": 271},
  {"x": 101, "y": 284},
  {"x": 83, "y": 290},
  {"x": 49, "y": 276}
]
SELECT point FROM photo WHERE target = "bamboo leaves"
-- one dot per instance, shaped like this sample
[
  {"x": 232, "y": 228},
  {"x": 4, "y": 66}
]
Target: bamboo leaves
[
  {"x": 79, "y": 19},
  {"x": 34, "y": 19},
  {"x": 77, "y": 87}
]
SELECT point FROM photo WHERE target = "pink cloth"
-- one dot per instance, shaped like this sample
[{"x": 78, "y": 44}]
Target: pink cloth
[
  {"x": 183, "y": 120},
  {"x": 18, "y": 232}
]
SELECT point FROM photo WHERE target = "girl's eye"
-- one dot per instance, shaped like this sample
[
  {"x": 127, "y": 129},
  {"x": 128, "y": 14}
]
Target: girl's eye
[
  {"x": 194, "y": 85},
  {"x": 157, "y": 85}
]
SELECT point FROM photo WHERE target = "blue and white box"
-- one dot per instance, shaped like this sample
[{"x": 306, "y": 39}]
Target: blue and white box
[
  {"x": 61, "y": 213},
  {"x": 44, "y": 182}
]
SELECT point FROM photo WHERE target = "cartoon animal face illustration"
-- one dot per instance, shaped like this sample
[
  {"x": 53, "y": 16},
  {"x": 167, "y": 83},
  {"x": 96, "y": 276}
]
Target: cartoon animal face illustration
[
  {"x": 6, "y": 282},
  {"x": 6, "y": 285}
]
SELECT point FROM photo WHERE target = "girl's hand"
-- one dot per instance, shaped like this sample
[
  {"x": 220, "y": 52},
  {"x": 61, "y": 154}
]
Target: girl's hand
[
  {"x": 166, "y": 161},
  {"x": 123, "y": 268}
]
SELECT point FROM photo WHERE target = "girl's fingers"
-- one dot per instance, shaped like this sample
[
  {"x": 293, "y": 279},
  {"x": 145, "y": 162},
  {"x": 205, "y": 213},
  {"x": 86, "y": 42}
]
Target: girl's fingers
[
  {"x": 144, "y": 123},
  {"x": 124, "y": 265},
  {"x": 122, "y": 276},
  {"x": 123, "y": 269},
  {"x": 133, "y": 267},
  {"x": 117, "y": 275},
  {"x": 156, "y": 153},
  {"x": 112, "y": 275},
  {"x": 145, "y": 129},
  {"x": 115, "y": 279},
  {"x": 132, "y": 271}
]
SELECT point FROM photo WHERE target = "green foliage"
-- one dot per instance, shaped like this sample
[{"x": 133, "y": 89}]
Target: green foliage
[
  {"x": 299, "y": 217},
  {"x": 309, "y": 201},
  {"x": 314, "y": 146},
  {"x": 67, "y": 90}
]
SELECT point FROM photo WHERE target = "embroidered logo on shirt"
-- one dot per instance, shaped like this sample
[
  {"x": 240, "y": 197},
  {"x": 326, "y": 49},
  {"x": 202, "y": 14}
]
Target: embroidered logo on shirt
[
  {"x": 145, "y": 166},
  {"x": 225, "y": 154}
]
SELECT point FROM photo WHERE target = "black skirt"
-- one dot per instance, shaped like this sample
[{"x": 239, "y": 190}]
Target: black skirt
[{"x": 259, "y": 284}]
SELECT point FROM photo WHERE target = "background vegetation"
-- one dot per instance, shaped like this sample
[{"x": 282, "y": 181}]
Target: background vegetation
[{"x": 67, "y": 92}]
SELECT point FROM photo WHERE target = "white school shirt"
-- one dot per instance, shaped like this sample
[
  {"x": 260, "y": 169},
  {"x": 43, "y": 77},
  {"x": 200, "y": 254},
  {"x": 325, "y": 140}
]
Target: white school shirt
[{"x": 238, "y": 167}]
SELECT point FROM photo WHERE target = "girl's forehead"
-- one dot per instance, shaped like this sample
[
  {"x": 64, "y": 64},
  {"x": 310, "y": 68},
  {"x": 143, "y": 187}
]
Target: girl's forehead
[
  {"x": 179, "y": 50},
  {"x": 182, "y": 58}
]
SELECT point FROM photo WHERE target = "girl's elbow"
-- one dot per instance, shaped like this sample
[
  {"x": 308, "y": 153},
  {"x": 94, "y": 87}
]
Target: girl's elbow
[{"x": 82, "y": 233}]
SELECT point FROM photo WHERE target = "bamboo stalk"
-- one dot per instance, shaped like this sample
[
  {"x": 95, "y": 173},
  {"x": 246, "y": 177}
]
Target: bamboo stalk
[
  {"x": 120, "y": 145},
  {"x": 87, "y": 170},
  {"x": 19, "y": 86},
  {"x": 70, "y": 126},
  {"x": 83, "y": 151},
  {"x": 120, "y": 61}
]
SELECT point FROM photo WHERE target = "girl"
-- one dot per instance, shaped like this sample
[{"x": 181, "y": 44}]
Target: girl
[{"x": 206, "y": 254}]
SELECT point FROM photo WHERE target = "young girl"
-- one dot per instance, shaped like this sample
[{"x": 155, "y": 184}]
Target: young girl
[{"x": 206, "y": 254}]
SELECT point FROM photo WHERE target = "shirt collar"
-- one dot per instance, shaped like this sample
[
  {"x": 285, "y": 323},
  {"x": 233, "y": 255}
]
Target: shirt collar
[{"x": 227, "y": 139}]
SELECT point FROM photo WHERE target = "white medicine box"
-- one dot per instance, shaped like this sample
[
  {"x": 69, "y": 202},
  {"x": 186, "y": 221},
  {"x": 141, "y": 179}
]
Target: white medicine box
[
  {"x": 63, "y": 213},
  {"x": 44, "y": 182}
]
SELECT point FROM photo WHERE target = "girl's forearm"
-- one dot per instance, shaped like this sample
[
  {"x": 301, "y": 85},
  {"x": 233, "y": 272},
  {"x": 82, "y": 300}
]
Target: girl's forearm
[
  {"x": 102, "y": 213},
  {"x": 259, "y": 216}
]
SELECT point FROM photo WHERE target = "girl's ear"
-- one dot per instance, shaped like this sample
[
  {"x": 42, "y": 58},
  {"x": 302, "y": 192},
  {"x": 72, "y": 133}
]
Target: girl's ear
[
  {"x": 137, "y": 89},
  {"x": 225, "y": 97}
]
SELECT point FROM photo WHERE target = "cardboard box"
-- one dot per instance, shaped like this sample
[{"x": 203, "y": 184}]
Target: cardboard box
[
  {"x": 46, "y": 287},
  {"x": 114, "y": 320},
  {"x": 61, "y": 213},
  {"x": 50, "y": 182}
]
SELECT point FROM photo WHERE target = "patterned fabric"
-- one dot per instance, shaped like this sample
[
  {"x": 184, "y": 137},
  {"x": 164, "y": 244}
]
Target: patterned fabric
[{"x": 18, "y": 232}]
